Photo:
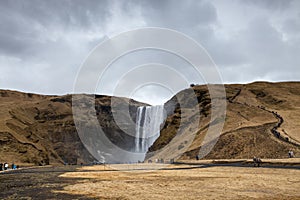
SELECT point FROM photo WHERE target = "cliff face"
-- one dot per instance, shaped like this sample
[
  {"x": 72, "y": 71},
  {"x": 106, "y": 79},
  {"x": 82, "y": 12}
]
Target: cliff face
[
  {"x": 40, "y": 129},
  {"x": 262, "y": 119}
]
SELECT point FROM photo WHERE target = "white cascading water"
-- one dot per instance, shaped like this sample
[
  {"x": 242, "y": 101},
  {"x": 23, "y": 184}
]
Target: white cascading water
[{"x": 148, "y": 122}]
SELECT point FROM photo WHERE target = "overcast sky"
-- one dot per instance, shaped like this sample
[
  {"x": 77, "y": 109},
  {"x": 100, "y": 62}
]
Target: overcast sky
[{"x": 43, "y": 43}]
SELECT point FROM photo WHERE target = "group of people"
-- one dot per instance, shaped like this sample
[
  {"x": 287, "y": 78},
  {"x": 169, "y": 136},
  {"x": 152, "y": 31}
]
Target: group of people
[
  {"x": 160, "y": 160},
  {"x": 4, "y": 166},
  {"x": 257, "y": 162}
]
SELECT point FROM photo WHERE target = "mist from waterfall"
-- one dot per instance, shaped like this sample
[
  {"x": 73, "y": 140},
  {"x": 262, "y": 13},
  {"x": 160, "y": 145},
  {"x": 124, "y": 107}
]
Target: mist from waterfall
[{"x": 148, "y": 122}]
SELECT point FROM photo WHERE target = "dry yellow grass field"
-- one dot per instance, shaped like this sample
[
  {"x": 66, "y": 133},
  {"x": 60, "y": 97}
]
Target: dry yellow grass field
[{"x": 184, "y": 182}]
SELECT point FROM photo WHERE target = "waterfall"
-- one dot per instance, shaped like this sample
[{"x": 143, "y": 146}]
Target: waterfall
[{"x": 148, "y": 121}]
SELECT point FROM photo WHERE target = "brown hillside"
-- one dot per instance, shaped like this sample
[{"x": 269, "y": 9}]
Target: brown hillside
[
  {"x": 39, "y": 129},
  {"x": 262, "y": 119}
]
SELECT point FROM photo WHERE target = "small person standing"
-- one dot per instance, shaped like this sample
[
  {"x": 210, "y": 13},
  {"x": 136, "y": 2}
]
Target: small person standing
[
  {"x": 13, "y": 166},
  {"x": 1, "y": 166},
  {"x": 291, "y": 154},
  {"x": 5, "y": 166}
]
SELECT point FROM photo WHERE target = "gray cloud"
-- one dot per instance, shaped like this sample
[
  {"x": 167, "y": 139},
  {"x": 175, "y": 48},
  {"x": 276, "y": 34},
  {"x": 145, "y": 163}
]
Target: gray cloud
[
  {"x": 179, "y": 14},
  {"x": 270, "y": 4},
  {"x": 43, "y": 43}
]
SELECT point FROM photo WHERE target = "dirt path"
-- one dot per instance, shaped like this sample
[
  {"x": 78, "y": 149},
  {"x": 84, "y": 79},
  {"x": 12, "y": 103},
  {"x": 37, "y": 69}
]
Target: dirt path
[{"x": 283, "y": 136}]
